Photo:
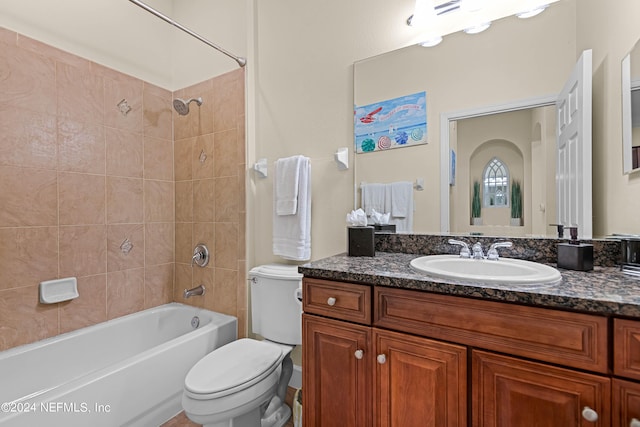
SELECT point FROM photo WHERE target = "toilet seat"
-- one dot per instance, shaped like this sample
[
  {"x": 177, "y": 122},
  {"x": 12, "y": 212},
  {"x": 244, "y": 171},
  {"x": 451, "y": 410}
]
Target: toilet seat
[{"x": 232, "y": 368}]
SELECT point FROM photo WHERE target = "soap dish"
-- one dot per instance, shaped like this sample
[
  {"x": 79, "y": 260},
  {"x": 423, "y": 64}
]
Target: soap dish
[{"x": 58, "y": 290}]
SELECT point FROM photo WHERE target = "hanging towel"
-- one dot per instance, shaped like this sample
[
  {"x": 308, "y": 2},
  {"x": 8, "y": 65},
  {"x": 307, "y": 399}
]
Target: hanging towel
[
  {"x": 286, "y": 184},
  {"x": 373, "y": 197},
  {"x": 292, "y": 233},
  {"x": 400, "y": 204}
]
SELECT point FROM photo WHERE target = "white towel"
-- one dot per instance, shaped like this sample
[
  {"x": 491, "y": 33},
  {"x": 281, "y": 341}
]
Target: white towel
[
  {"x": 286, "y": 184},
  {"x": 292, "y": 233},
  {"x": 400, "y": 205},
  {"x": 373, "y": 197}
]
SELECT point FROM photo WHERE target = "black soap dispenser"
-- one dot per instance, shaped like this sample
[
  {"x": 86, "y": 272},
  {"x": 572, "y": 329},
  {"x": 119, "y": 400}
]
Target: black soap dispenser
[{"x": 575, "y": 255}]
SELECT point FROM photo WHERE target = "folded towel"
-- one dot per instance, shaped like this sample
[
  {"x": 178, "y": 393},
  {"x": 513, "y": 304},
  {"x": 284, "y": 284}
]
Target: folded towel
[
  {"x": 286, "y": 184},
  {"x": 401, "y": 198},
  {"x": 292, "y": 233},
  {"x": 373, "y": 198}
]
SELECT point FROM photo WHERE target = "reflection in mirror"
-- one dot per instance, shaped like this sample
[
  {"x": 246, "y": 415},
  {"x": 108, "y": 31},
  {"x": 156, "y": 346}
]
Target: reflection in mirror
[
  {"x": 631, "y": 110},
  {"x": 514, "y": 60},
  {"x": 497, "y": 151}
]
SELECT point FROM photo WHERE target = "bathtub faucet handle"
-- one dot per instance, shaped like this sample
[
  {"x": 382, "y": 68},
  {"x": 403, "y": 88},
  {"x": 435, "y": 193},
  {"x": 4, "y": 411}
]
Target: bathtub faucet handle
[{"x": 200, "y": 255}]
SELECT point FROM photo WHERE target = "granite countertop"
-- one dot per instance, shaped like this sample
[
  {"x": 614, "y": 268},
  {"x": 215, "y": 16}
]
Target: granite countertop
[{"x": 604, "y": 290}]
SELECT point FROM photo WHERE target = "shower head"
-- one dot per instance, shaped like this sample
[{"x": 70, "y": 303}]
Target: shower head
[{"x": 182, "y": 106}]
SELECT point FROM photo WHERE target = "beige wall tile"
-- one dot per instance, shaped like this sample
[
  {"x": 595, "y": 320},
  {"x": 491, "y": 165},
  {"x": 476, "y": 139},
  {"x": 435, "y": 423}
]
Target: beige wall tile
[
  {"x": 184, "y": 201},
  {"x": 29, "y": 197},
  {"x": 123, "y": 103},
  {"x": 203, "y": 200},
  {"x": 205, "y": 277},
  {"x": 182, "y": 149},
  {"x": 224, "y": 292},
  {"x": 158, "y": 158},
  {"x": 28, "y": 80},
  {"x": 159, "y": 201},
  {"x": 159, "y": 243},
  {"x": 18, "y": 249},
  {"x": 158, "y": 285},
  {"x": 184, "y": 239},
  {"x": 226, "y": 245},
  {"x": 203, "y": 157},
  {"x": 81, "y": 198},
  {"x": 125, "y": 292},
  {"x": 228, "y": 101},
  {"x": 27, "y": 138},
  {"x": 125, "y": 201},
  {"x": 125, "y": 246},
  {"x": 157, "y": 114},
  {"x": 226, "y": 151},
  {"x": 89, "y": 308},
  {"x": 80, "y": 94},
  {"x": 83, "y": 250},
  {"x": 226, "y": 199},
  {"x": 81, "y": 147},
  {"x": 24, "y": 319},
  {"x": 125, "y": 153},
  {"x": 8, "y": 37},
  {"x": 51, "y": 52},
  {"x": 183, "y": 280},
  {"x": 203, "y": 232}
]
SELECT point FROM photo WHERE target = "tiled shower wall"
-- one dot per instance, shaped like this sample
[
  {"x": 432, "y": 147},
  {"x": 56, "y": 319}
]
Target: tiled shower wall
[
  {"x": 209, "y": 153},
  {"x": 87, "y": 190}
]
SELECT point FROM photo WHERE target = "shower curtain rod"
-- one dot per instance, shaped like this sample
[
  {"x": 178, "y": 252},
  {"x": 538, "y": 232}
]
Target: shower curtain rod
[{"x": 240, "y": 60}]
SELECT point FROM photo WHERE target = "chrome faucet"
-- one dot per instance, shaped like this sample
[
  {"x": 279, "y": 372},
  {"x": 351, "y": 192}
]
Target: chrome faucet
[
  {"x": 200, "y": 255},
  {"x": 477, "y": 251},
  {"x": 493, "y": 249},
  {"x": 200, "y": 290},
  {"x": 464, "y": 250}
]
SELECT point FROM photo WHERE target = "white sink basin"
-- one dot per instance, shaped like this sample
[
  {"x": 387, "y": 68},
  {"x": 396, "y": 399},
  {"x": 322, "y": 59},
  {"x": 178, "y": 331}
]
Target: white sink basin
[{"x": 505, "y": 270}]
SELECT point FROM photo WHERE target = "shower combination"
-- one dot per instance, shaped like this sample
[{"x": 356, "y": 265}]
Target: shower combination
[{"x": 182, "y": 106}]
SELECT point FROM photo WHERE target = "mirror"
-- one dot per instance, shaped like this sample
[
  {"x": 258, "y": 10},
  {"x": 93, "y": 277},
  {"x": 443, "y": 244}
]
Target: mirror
[
  {"x": 516, "y": 65},
  {"x": 631, "y": 110}
]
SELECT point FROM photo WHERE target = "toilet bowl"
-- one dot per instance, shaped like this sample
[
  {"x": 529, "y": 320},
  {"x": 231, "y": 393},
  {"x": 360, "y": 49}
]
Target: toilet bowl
[{"x": 243, "y": 384}]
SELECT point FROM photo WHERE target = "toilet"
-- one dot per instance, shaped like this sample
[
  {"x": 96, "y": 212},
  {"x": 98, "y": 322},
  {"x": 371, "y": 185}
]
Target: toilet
[{"x": 244, "y": 383}]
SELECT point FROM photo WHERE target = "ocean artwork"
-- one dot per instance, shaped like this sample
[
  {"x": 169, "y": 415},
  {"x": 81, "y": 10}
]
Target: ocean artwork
[{"x": 395, "y": 123}]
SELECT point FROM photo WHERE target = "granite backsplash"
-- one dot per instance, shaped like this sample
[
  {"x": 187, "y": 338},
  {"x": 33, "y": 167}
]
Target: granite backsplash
[{"x": 606, "y": 252}]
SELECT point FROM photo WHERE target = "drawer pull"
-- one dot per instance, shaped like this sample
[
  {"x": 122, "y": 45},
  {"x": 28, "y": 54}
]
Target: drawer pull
[
  {"x": 634, "y": 423},
  {"x": 589, "y": 414},
  {"x": 331, "y": 301},
  {"x": 382, "y": 359},
  {"x": 359, "y": 354}
]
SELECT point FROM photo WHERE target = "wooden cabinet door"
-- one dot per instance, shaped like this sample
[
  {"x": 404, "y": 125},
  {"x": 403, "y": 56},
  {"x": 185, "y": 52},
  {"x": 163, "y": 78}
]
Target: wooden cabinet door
[
  {"x": 509, "y": 392},
  {"x": 419, "y": 382},
  {"x": 626, "y": 403},
  {"x": 336, "y": 377}
]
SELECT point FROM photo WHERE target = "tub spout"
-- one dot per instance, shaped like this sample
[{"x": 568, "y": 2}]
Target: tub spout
[{"x": 194, "y": 291}]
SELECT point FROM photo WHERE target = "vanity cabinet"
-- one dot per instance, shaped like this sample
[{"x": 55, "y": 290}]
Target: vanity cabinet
[{"x": 626, "y": 364}]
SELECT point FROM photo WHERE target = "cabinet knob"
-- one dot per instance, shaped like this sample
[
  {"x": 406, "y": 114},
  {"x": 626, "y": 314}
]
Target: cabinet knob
[
  {"x": 634, "y": 422},
  {"x": 589, "y": 414},
  {"x": 382, "y": 359},
  {"x": 359, "y": 354},
  {"x": 331, "y": 301}
]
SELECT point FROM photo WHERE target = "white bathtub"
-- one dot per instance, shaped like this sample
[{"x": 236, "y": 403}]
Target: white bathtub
[{"x": 125, "y": 372}]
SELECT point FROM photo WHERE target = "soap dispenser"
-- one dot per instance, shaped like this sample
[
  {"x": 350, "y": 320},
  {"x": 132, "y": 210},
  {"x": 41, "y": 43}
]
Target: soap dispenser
[{"x": 575, "y": 255}]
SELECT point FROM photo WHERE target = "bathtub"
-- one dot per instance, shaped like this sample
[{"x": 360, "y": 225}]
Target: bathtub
[{"x": 125, "y": 372}]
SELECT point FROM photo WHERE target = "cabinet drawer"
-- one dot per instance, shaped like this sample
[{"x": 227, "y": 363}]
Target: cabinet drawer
[
  {"x": 570, "y": 339},
  {"x": 345, "y": 301},
  {"x": 626, "y": 348}
]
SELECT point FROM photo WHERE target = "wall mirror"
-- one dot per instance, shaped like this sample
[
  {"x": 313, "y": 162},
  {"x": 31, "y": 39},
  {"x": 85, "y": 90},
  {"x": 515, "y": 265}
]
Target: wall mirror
[
  {"x": 517, "y": 67},
  {"x": 631, "y": 110}
]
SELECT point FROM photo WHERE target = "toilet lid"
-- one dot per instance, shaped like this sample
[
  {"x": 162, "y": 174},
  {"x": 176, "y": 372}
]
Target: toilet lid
[{"x": 231, "y": 365}]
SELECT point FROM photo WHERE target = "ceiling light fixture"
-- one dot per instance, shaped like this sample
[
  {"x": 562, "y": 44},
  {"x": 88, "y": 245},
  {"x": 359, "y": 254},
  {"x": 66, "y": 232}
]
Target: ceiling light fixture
[
  {"x": 477, "y": 28},
  {"x": 471, "y": 5},
  {"x": 532, "y": 12},
  {"x": 431, "y": 42},
  {"x": 423, "y": 14}
]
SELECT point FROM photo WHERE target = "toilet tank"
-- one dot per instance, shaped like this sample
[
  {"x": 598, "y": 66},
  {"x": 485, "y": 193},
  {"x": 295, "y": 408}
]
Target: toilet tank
[{"x": 276, "y": 306}]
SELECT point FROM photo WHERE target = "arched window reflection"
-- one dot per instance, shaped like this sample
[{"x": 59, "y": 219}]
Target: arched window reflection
[{"x": 496, "y": 184}]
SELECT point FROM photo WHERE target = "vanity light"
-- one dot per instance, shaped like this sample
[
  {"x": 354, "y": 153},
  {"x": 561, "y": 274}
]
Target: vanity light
[
  {"x": 471, "y": 5},
  {"x": 532, "y": 12},
  {"x": 431, "y": 42},
  {"x": 424, "y": 13},
  {"x": 477, "y": 28}
]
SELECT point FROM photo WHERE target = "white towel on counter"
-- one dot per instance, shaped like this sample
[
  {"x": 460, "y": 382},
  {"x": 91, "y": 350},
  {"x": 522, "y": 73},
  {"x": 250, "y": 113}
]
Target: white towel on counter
[
  {"x": 288, "y": 172},
  {"x": 373, "y": 197},
  {"x": 292, "y": 233}
]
